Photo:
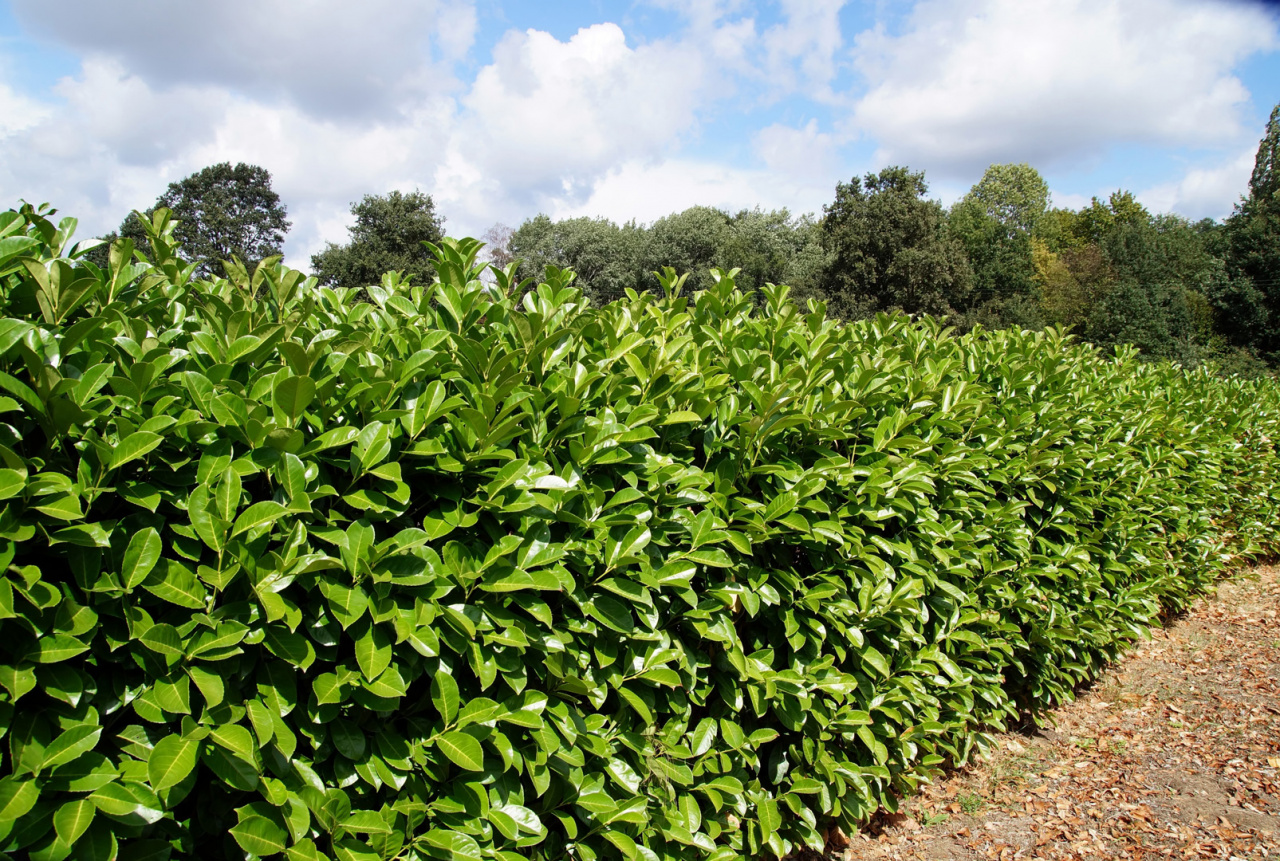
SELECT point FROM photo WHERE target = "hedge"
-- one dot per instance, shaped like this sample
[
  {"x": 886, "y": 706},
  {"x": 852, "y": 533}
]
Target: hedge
[{"x": 474, "y": 570}]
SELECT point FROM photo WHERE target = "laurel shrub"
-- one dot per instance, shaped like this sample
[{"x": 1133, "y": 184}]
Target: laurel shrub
[{"x": 473, "y": 570}]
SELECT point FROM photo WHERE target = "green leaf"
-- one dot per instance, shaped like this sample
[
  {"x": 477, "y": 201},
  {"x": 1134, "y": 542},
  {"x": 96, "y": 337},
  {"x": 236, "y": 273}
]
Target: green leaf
[
  {"x": 70, "y": 745},
  {"x": 173, "y": 582},
  {"x": 140, "y": 556},
  {"x": 770, "y": 819},
  {"x": 11, "y": 483},
  {"x": 73, "y": 819},
  {"x": 171, "y": 760},
  {"x": 444, "y": 695},
  {"x": 227, "y": 497},
  {"x": 58, "y": 647},
  {"x": 327, "y": 689},
  {"x": 134, "y": 446},
  {"x": 366, "y": 822},
  {"x": 294, "y": 648},
  {"x": 875, "y": 660},
  {"x": 236, "y": 739},
  {"x": 293, "y": 395},
  {"x": 462, "y": 749},
  {"x": 305, "y": 850},
  {"x": 17, "y": 797},
  {"x": 455, "y": 845},
  {"x": 164, "y": 639},
  {"x": 373, "y": 651},
  {"x": 258, "y": 514},
  {"x": 260, "y": 836},
  {"x": 209, "y": 684}
]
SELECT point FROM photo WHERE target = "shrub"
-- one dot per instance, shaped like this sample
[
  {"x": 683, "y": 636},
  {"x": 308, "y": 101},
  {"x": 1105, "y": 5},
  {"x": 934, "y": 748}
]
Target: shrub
[{"x": 444, "y": 576}]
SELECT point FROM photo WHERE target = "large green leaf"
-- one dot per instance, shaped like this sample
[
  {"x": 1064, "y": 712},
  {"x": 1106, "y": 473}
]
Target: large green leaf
[
  {"x": 260, "y": 836},
  {"x": 462, "y": 749},
  {"x": 73, "y": 819},
  {"x": 171, "y": 760},
  {"x": 140, "y": 556},
  {"x": 292, "y": 396},
  {"x": 134, "y": 446}
]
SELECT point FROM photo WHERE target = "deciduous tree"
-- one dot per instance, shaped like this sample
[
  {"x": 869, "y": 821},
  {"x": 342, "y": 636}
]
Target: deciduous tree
[
  {"x": 223, "y": 212},
  {"x": 388, "y": 235},
  {"x": 890, "y": 249}
]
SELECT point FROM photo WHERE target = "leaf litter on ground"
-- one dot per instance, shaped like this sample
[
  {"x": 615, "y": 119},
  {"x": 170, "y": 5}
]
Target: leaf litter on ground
[{"x": 1172, "y": 753}]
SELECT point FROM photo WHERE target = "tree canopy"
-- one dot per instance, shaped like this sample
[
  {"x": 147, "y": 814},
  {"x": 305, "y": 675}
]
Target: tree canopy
[
  {"x": 222, "y": 212},
  {"x": 889, "y": 248},
  {"x": 1254, "y": 247},
  {"x": 387, "y": 236}
]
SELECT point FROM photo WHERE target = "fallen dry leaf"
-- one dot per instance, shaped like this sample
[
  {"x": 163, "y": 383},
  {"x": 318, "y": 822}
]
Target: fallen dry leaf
[{"x": 1182, "y": 737}]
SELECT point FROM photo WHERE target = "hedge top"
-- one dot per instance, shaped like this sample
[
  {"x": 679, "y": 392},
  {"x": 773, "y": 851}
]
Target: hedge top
[{"x": 474, "y": 570}]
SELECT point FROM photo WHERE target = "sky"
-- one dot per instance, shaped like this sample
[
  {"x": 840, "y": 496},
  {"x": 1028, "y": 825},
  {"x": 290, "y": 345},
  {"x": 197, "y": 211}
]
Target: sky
[{"x": 503, "y": 109}]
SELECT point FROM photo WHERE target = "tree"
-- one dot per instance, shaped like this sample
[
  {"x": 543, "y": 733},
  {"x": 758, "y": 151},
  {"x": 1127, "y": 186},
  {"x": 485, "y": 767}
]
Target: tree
[
  {"x": 774, "y": 248},
  {"x": 387, "y": 236},
  {"x": 889, "y": 248},
  {"x": 1099, "y": 220},
  {"x": 1253, "y": 234},
  {"x": 223, "y": 212},
  {"x": 1160, "y": 268},
  {"x": 606, "y": 257},
  {"x": 498, "y": 245},
  {"x": 691, "y": 241},
  {"x": 994, "y": 222},
  {"x": 1015, "y": 195}
]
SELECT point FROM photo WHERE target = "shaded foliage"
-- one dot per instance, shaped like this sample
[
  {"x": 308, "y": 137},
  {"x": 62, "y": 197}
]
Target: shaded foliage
[
  {"x": 890, "y": 250},
  {"x": 387, "y": 236},
  {"x": 456, "y": 574},
  {"x": 221, "y": 213}
]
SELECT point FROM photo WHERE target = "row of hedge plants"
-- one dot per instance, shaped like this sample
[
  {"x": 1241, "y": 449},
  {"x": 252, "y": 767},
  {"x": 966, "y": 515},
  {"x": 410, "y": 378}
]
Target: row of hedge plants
[{"x": 473, "y": 570}]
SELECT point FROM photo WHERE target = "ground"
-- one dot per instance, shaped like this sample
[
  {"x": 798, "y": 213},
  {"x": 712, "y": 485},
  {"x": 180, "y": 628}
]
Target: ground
[{"x": 1173, "y": 753}]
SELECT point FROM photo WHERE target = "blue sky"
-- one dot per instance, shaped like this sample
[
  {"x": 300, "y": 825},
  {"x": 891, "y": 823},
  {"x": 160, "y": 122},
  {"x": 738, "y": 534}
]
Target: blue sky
[{"x": 501, "y": 110}]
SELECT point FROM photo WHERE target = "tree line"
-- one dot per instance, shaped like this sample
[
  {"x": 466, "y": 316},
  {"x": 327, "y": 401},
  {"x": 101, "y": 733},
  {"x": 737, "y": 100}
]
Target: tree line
[{"x": 1000, "y": 256}]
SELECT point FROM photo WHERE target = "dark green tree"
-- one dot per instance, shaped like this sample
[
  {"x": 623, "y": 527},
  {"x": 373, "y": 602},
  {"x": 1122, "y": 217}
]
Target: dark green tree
[
  {"x": 890, "y": 248},
  {"x": 1253, "y": 236},
  {"x": 223, "y": 212},
  {"x": 607, "y": 258},
  {"x": 994, "y": 223},
  {"x": 388, "y": 236},
  {"x": 774, "y": 248},
  {"x": 1162, "y": 296},
  {"x": 691, "y": 241}
]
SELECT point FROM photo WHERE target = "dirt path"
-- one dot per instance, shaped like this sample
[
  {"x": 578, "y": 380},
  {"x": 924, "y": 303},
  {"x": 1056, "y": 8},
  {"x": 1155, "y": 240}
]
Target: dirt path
[{"x": 1175, "y": 753}]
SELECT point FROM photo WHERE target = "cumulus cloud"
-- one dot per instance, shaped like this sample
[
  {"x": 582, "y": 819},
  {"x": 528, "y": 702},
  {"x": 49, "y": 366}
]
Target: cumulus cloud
[
  {"x": 800, "y": 51},
  {"x": 797, "y": 152},
  {"x": 646, "y": 191},
  {"x": 547, "y": 119},
  {"x": 1204, "y": 191},
  {"x": 325, "y": 56},
  {"x": 114, "y": 142},
  {"x": 980, "y": 81},
  {"x": 19, "y": 112}
]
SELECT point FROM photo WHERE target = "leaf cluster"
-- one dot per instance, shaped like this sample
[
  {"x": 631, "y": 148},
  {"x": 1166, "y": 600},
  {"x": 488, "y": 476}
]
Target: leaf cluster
[{"x": 451, "y": 574}]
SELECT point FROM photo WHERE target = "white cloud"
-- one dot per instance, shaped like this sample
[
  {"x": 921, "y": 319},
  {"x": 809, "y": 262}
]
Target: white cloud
[
  {"x": 548, "y": 118},
  {"x": 800, "y": 52},
  {"x": 981, "y": 81},
  {"x": 801, "y": 153},
  {"x": 649, "y": 191},
  {"x": 115, "y": 142},
  {"x": 18, "y": 112},
  {"x": 326, "y": 56},
  {"x": 1206, "y": 191}
]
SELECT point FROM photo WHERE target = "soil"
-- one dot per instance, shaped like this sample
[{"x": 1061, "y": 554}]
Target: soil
[{"x": 1173, "y": 753}]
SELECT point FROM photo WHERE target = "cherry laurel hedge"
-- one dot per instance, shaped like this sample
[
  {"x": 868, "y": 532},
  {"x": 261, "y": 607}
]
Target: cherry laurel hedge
[{"x": 450, "y": 574}]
